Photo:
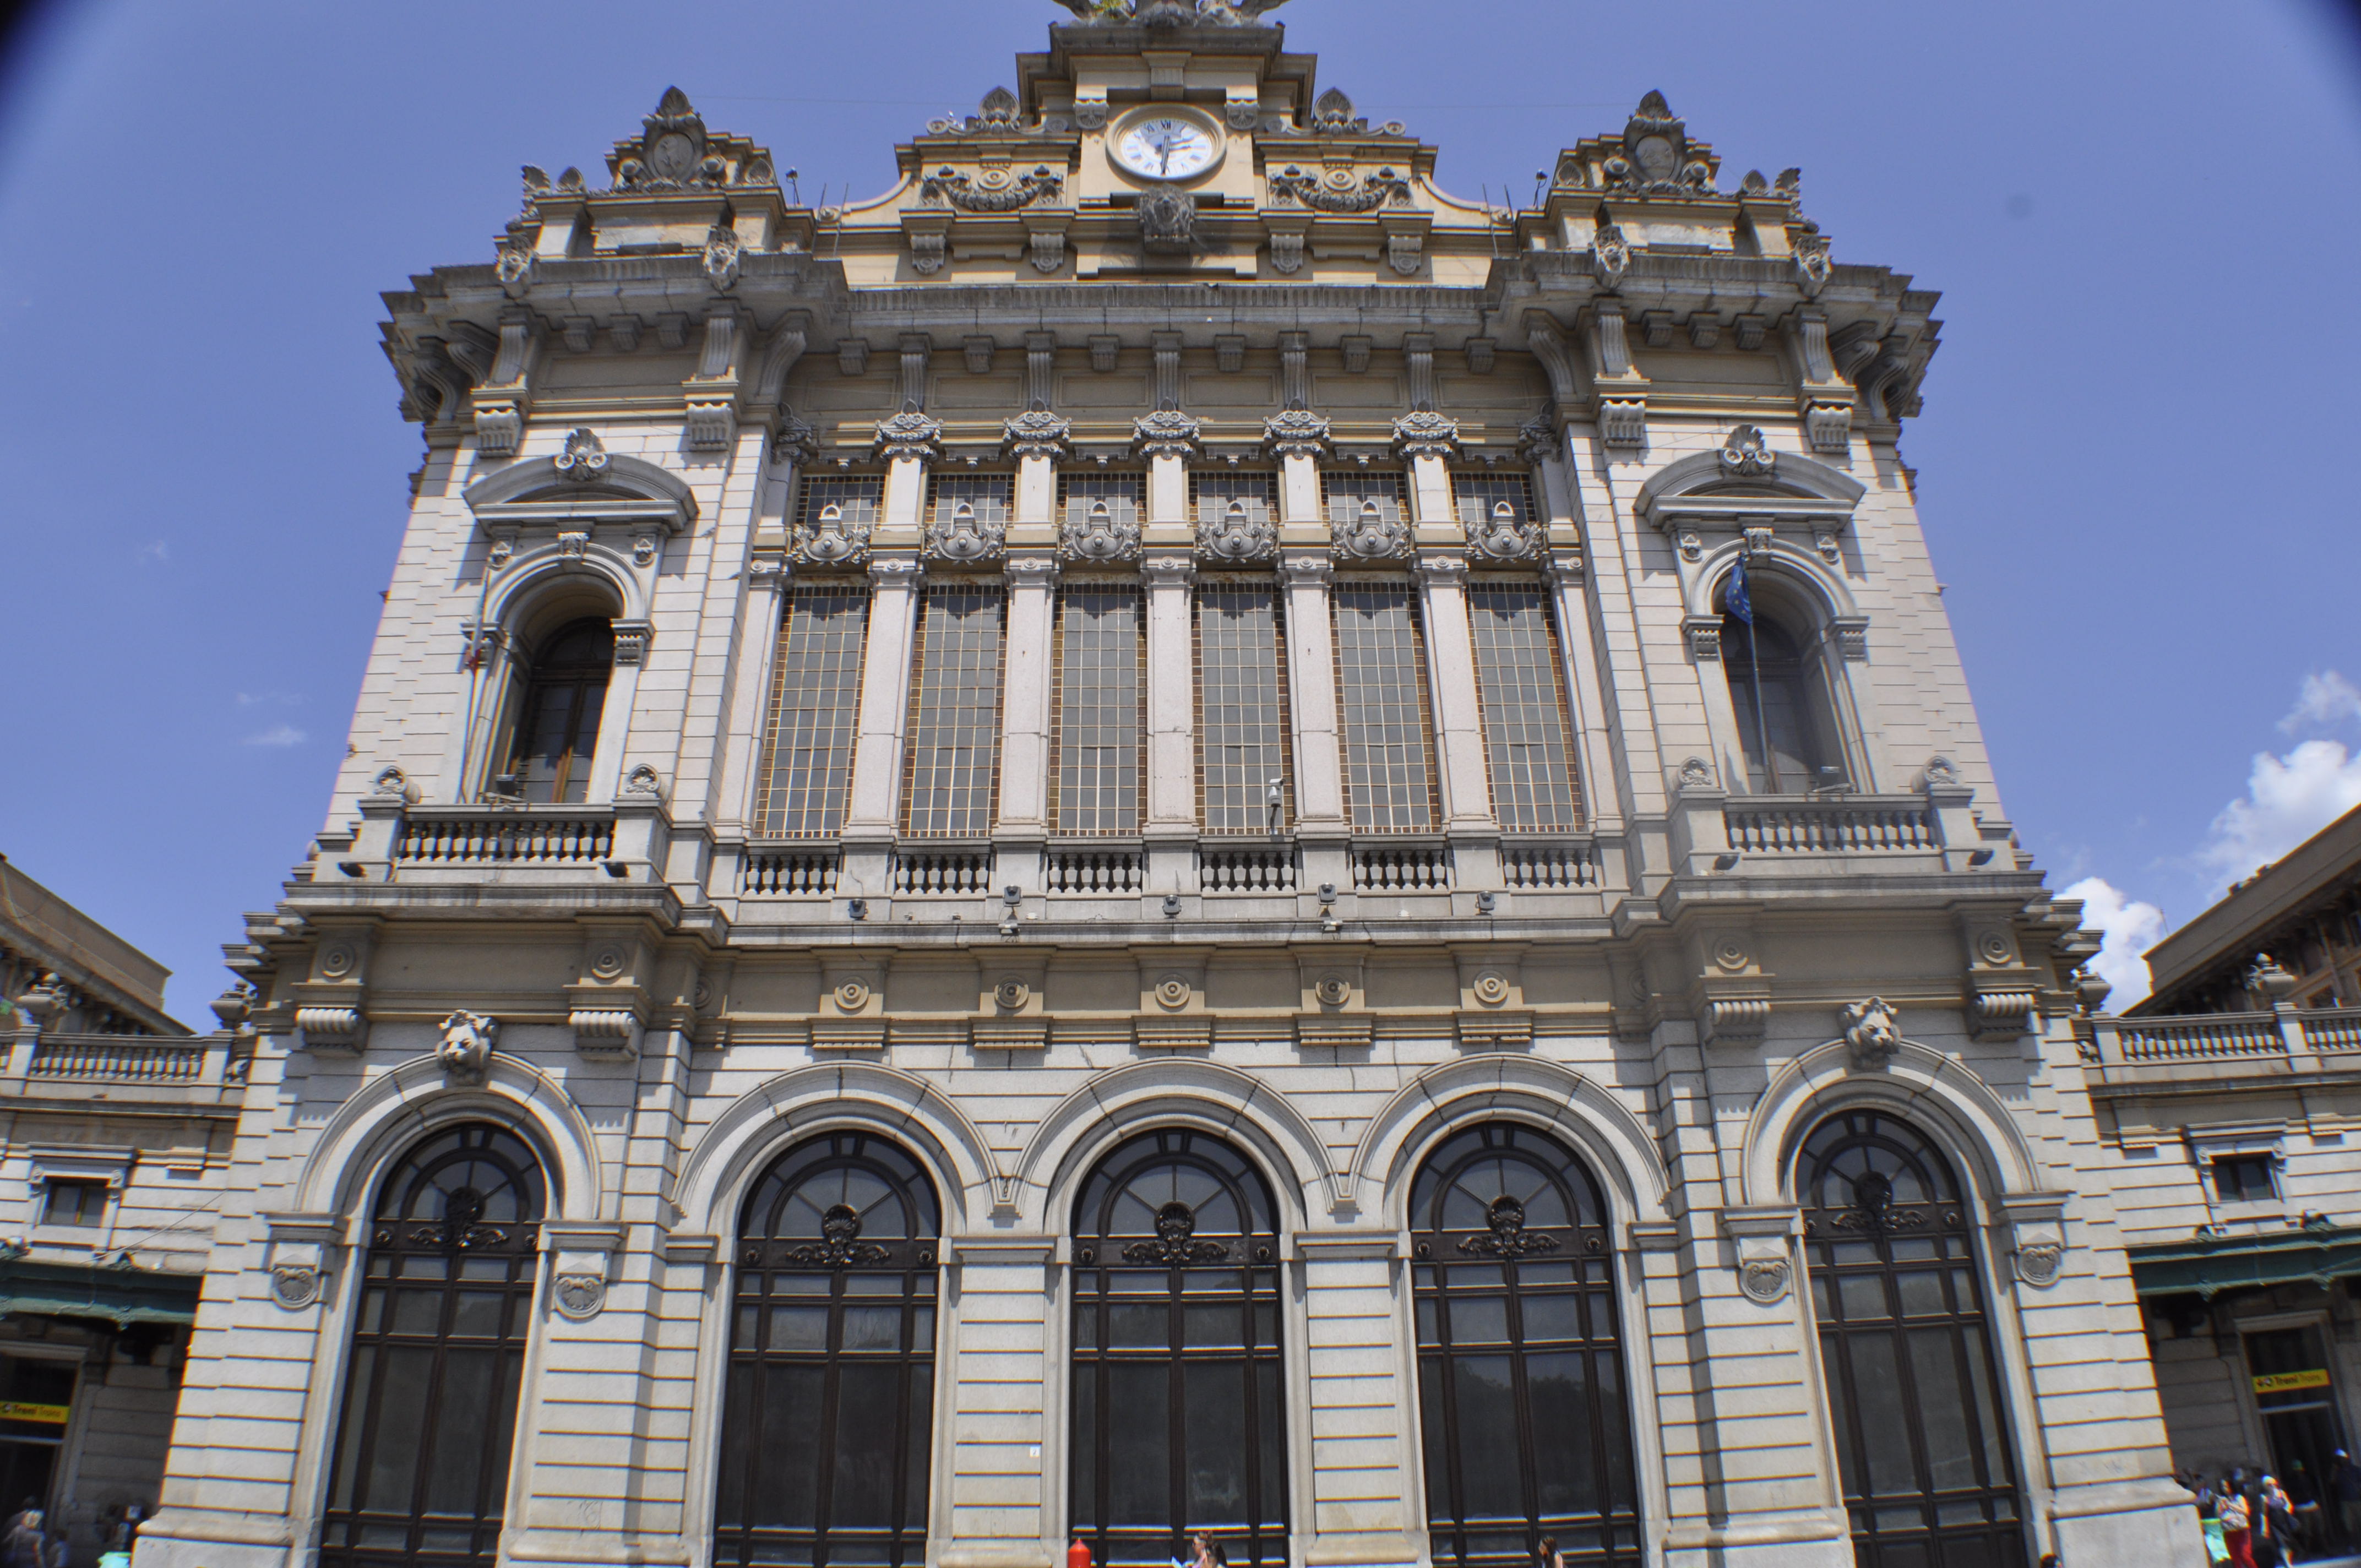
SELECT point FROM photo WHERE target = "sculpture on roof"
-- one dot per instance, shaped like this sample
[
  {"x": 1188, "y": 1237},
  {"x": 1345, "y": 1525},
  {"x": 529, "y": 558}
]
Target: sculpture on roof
[{"x": 1173, "y": 13}]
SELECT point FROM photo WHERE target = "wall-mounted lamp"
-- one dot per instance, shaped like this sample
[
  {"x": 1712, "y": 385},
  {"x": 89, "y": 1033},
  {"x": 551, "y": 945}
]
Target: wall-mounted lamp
[
  {"x": 856, "y": 908},
  {"x": 1171, "y": 906}
]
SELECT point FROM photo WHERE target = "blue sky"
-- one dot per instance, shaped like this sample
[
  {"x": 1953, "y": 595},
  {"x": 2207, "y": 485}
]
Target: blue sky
[{"x": 2136, "y": 460}]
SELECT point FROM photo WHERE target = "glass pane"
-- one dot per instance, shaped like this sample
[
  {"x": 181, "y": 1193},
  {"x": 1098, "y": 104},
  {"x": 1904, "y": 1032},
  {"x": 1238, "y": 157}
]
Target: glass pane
[
  {"x": 359, "y": 1398},
  {"x": 1526, "y": 740},
  {"x": 786, "y": 1490},
  {"x": 1996, "y": 1468},
  {"x": 952, "y": 762},
  {"x": 476, "y": 1313},
  {"x": 918, "y": 1441},
  {"x": 1479, "y": 1321},
  {"x": 1214, "y": 1456},
  {"x": 873, "y": 1328},
  {"x": 1862, "y": 1297},
  {"x": 1381, "y": 702},
  {"x": 868, "y": 1404},
  {"x": 799, "y": 1328},
  {"x": 731, "y": 1460},
  {"x": 807, "y": 761},
  {"x": 1551, "y": 1317},
  {"x": 1607, "y": 1373},
  {"x": 1942, "y": 1413},
  {"x": 1565, "y": 1467},
  {"x": 399, "y": 1428},
  {"x": 1877, "y": 1398},
  {"x": 1139, "y": 1464},
  {"x": 1434, "y": 1420},
  {"x": 461, "y": 1424},
  {"x": 1491, "y": 1456},
  {"x": 1100, "y": 717},
  {"x": 1270, "y": 1442},
  {"x": 1133, "y": 1325},
  {"x": 1084, "y": 1441},
  {"x": 417, "y": 1311},
  {"x": 1219, "y": 1325},
  {"x": 1921, "y": 1291},
  {"x": 1242, "y": 725}
]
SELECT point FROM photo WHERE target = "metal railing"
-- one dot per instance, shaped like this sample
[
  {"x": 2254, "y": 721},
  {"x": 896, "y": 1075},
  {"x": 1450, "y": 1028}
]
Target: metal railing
[{"x": 1838, "y": 826}]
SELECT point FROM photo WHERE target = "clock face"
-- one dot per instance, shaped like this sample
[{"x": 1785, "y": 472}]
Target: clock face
[{"x": 1165, "y": 148}]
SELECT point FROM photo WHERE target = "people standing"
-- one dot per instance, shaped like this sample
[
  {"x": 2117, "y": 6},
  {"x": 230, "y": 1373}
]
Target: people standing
[
  {"x": 2344, "y": 1487},
  {"x": 26, "y": 1544},
  {"x": 1550, "y": 1556},
  {"x": 2235, "y": 1532}
]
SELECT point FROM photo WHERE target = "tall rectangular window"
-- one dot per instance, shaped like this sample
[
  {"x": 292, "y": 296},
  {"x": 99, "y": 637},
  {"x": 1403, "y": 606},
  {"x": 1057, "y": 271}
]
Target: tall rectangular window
[
  {"x": 1236, "y": 511},
  {"x": 815, "y": 702},
  {"x": 1352, "y": 495},
  {"x": 1528, "y": 745},
  {"x": 1242, "y": 722},
  {"x": 1101, "y": 691},
  {"x": 1478, "y": 497},
  {"x": 1124, "y": 494},
  {"x": 951, "y": 761},
  {"x": 1383, "y": 705},
  {"x": 990, "y": 498}
]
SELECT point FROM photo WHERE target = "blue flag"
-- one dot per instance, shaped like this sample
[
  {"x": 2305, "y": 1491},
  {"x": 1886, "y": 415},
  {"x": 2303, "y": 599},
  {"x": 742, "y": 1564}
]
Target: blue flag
[{"x": 1733, "y": 597}]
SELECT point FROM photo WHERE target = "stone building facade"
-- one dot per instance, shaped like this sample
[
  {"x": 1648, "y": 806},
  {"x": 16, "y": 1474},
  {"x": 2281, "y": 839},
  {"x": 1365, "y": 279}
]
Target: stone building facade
[
  {"x": 2231, "y": 1099},
  {"x": 1165, "y": 832},
  {"x": 116, "y": 1124}
]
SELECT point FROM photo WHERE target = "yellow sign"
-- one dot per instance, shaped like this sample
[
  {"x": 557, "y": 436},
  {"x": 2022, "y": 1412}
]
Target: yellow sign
[
  {"x": 2288, "y": 1382},
  {"x": 10, "y": 1410}
]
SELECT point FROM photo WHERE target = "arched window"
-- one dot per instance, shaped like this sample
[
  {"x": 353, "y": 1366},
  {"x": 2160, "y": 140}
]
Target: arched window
[
  {"x": 1176, "y": 1393},
  {"x": 421, "y": 1474},
  {"x": 1521, "y": 1398},
  {"x": 1781, "y": 687},
  {"x": 828, "y": 1421},
  {"x": 1907, "y": 1349},
  {"x": 557, "y": 728}
]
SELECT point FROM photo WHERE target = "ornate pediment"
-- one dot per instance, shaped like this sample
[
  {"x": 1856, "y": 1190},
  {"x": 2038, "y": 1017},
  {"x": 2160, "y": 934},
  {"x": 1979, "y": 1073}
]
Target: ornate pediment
[
  {"x": 676, "y": 152},
  {"x": 1170, "y": 13}
]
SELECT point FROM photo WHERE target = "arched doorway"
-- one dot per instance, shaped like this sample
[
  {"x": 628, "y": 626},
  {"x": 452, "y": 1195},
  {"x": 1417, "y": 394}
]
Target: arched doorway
[
  {"x": 1523, "y": 1403},
  {"x": 828, "y": 1419},
  {"x": 421, "y": 1473},
  {"x": 1906, "y": 1346},
  {"x": 1177, "y": 1396}
]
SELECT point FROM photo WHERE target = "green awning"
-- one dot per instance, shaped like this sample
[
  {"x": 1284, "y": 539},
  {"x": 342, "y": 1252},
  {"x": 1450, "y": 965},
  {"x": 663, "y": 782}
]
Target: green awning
[
  {"x": 2211, "y": 1265},
  {"x": 122, "y": 1296}
]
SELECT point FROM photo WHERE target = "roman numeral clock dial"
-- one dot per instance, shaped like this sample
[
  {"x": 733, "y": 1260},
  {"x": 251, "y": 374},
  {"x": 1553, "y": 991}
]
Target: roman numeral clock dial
[{"x": 1165, "y": 148}]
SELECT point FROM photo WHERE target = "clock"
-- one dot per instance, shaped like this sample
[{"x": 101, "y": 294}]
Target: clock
[{"x": 1166, "y": 147}]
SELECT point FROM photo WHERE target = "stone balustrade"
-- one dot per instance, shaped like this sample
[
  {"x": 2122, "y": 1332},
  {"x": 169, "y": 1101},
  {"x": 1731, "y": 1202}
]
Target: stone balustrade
[{"x": 2284, "y": 1040}]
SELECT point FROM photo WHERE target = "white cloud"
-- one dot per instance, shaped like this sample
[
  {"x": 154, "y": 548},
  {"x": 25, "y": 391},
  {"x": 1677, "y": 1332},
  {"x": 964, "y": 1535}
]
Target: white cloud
[
  {"x": 2127, "y": 928},
  {"x": 2325, "y": 699},
  {"x": 277, "y": 735},
  {"x": 2288, "y": 798},
  {"x": 284, "y": 699},
  {"x": 155, "y": 550}
]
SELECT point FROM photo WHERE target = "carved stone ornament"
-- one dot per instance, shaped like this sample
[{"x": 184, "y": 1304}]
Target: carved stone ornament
[
  {"x": 1176, "y": 1225},
  {"x": 1941, "y": 773},
  {"x": 1537, "y": 438},
  {"x": 1691, "y": 544},
  {"x": 584, "y": 459},
  {"x": 1287, "y": 252},
  {"x": 1166, "y": 432},
  {"x": 1764, "y": 1279},
  {"x": 1871, "y": 1033},
  {"x": 465, "y": 1050},
  {"x": 1332, "y": 113},
  {"x": 1655, "y": 159},
  {"x": 991, "y": 190},
  {"x": 959, "y": 534},
  {"x": 1333, "y": 991},
  {"x": 515, "y": 264},
  {"x": 1037, "y": 433},
  {"x": 1697, "y": 774},
  {"x": 909, "y": 434},
  {"x": 1747, "y": 453},
  {"x": 1098, "y": 534},
  {"x": 1406, "y": 250},
  {"x": 831, "y": 539},
  {"x": 1503, "y": 536},
  {"x": 1171, "y": 13},
  {"x": 1047, "y": 247},
  {"x": 853, "y": 995},
  {"x": 839, "y": 1245},
  {"x": 294, "y": 1286},
  {"x": 1239, "y": 533},
  {"x": 392, "y": 783},
  {"x": 1295, "y": 433},
  {"x": 1811, "y": 248},
  {"x": 1610, "y": 256},
  {"x": 643, "y": 779},
  {"x": 721, "y": 250},
  {"x": 1507, "y": 1236},
  {"x": 1168, "y": 220},
  {"x": 929, "y": 251},
  {"x": 672, "y": 150},
  {"x": 793, "y": 439},
  {"x": 580, "y": 1296},
  {"x": 1172, "y": 993},
  {"x": 1369, "y": 535},
  {"x": 1337, "y": 192},
  {"x": 2038, "y": 1263},
  {"x": 1423, "y": 433},
  {"x": 1491, "y": 988}
]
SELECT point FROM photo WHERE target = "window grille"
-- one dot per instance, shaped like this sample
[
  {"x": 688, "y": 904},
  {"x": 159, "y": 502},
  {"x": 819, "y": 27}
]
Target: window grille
[
  {"x": 1343, "y": 490},
  {"x": 1125, "y": 494},
  {"x": 951, "y": 765},
  {"x": 1476, "y": 497},
  {"x": 815, "y": 703},
  {"x": 1520, "y": 682},
  {"x": 1241, "y": 718},
  {"x": 858, "y": 498},
  {"x": 991, "y": 495},
  {"x": 1389, "y": 785},
  {"x": 1211, "y": 491},
  {"x": 1100, "y": 719}
]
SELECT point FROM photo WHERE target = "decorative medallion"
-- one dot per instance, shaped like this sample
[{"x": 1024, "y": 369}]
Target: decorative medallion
[
  {"x": 2038, "y": 1263},
  {"x": 1508, "y": 1237},
  {"x": 853, "y": 995},
  {"x": 294, "y": 1286},
  {"x": 1176, "y": 1223},
  {"x": 1491, "y": 988},
  {"x": 1747, "y": 453},
  {"x": 1423, "y": 433},
  {"x": 908, "y": 434},
  {"x": 337, "y": 961},
  {"x": 1763, "y": 1280},
  {"x": 1239, "y": 533},
  {"x": 831, "y": 539},
  {"x": 1172, "y": 993},
  {"x": 1011, "y": 995},
  {"x": 585, "y": 458},
  {"x": 1333, "y": 991},
  {"x": 580, "y": 1296},
  {"x": 1295, "y": 433},
  {"x": 608, "y": 963}
]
